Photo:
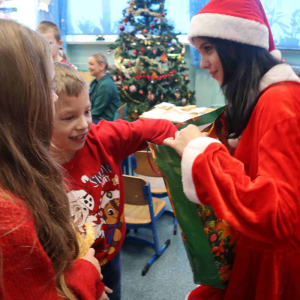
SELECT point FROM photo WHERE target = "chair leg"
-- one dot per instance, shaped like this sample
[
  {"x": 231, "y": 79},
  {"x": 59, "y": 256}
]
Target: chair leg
[
  {"x": 171, "y": 213},
  {"x": 155, "y": 256}
]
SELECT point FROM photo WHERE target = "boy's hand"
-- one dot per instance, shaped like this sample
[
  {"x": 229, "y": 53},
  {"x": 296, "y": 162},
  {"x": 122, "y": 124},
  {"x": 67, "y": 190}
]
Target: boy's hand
[
  {"x": 183, "y": 137},
  {"x": 90, "y": 256},
  {"x": 104, "y": 295}
]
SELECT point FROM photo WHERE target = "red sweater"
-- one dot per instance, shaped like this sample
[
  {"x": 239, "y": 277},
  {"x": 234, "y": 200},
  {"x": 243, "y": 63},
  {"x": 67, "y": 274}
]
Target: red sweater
[
  {"x": 27, "y": 270},
  {"x": 257, "y": 193},
  {"x": 95, "y": 178}
]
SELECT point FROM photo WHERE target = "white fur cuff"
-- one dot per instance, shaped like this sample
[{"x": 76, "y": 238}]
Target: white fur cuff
[{"x": 191, "y": 151}]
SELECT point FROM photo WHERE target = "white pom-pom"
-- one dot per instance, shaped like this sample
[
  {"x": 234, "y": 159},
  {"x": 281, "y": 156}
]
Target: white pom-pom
[
  {"x": 234, "y": 142},
  {"x": 276, "y": 54},
  {"x": 85, "y": 179}
]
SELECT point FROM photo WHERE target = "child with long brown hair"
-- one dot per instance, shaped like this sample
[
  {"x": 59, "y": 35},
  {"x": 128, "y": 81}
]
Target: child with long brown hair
[{"x": 37, "y": 239}]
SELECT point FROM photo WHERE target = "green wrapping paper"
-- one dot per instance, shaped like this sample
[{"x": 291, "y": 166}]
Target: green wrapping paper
[{"x": 209, "y": 242}]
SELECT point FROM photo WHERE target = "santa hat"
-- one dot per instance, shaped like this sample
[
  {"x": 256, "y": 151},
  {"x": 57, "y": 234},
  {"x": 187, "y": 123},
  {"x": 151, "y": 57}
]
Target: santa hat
[{"x": 242, "y": 21}]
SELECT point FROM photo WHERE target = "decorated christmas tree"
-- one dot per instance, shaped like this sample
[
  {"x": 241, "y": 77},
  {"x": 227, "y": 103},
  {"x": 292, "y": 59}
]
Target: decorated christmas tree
[{"x": 149, "y": 60}]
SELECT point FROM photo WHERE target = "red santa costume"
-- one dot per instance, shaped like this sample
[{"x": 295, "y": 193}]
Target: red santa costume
[{"x": 257, "y": 190}]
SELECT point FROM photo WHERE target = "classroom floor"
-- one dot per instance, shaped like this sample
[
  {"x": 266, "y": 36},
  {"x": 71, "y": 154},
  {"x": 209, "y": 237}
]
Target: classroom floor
[{"x": 170, "y": 276}]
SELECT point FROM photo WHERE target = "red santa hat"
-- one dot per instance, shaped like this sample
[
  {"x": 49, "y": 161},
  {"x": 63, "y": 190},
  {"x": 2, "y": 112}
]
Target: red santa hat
[{"x": 242, "y": 21}]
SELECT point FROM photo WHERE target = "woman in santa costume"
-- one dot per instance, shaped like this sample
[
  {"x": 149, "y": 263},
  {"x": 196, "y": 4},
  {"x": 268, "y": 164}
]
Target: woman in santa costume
[{"x": 256, "y": 191}]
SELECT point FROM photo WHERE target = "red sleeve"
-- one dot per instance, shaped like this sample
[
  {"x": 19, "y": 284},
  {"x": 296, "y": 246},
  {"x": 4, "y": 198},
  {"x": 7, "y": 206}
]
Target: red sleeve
[
  {"x": 27, "y": 270},
  {"x": 84, "y": 280},
  {"x": 266, "y": 208},
  {"x": 129, "y": 137}
]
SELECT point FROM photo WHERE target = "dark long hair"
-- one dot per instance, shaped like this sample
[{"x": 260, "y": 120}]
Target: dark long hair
[
  {"x": 243, "y": 67},
  {"x": 27, "y": 168}
]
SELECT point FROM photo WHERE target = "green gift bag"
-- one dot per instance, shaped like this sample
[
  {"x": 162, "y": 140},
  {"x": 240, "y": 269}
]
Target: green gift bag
[{"x": 209, "y": 241}]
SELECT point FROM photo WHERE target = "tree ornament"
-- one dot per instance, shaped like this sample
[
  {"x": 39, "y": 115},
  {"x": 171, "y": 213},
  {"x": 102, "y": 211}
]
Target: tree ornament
[
  {"x": 134, "y": 116},
  {"x": 179, "y": 58},
  {"x": 125, "y": 87},
  {"x": 134, "y": 7},
  {"x": 122, "y": 59},
  {"x": 143, "y": 50},
  {"x": 114, "y": 78},
  {"x": 128, "y": 64},
  {"x": 141, "y": 92},
  {"x": 184, "y": 68},
  {"x": 163, "y": 14},
  {"x": 149, "y": 48},
  {"x": 150, "y": 96},
  {"x": 164, "y": 57},
  {"x": 145, "y": 31},
  {"x": 182, "y": 54},
  {"x": 174, "y": 42},
  {"x": 125, "y": 20},
  {"x": 131, "y": 4},
  {"x": 177, "y": 95},
  {"x": 183, "y": 101},
  {"x": 155, "y": 20},
  {"x": 170, "y": 44},
  {"x": 154, "y": 51},
  {"x": 172, "y": 48},
  {"x": 134, "y": 52},
  {"x": 213, "y": 238},
  {"x": 162, "y": 97},
  {"x": 108, "y": 51},
  {"x": 151, "y": 26},
  {"x": 122, "y": 28},
  {"x": 132, "y": 88}
]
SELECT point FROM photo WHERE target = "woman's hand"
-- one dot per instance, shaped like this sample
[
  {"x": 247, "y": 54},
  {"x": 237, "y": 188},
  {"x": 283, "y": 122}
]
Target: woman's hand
[
  {"x": 104, "y": 295},
  {"x": 90, "y": 256},
  {"x": 183, "y": 137}
]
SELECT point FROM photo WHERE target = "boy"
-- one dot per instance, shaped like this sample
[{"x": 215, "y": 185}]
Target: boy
[
  {"x": 51, "y": 33},
  {"x": 91, "y": 155}
]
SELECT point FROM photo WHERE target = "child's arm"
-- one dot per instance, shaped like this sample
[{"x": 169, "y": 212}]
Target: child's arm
[
  {"x": 129, "y": 137},
  {"x": 27, "y": 270}
]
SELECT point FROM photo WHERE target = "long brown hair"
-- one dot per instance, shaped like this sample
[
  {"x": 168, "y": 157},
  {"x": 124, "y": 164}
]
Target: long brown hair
[{"x": 27, "y": 169}]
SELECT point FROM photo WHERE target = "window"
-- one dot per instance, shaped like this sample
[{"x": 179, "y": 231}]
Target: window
[{"x": 104, "y": 16}]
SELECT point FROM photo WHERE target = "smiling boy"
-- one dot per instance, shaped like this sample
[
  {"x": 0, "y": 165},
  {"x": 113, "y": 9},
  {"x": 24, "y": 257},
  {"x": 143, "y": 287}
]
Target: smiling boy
[{"x": 91, "y": 155}]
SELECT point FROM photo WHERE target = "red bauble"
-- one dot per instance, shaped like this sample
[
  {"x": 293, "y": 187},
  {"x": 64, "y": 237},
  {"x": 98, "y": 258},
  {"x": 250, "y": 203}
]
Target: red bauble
[
  {"x": 213, "y": 237},
  {"x": 145, "y": 31},
  {"x": 151, "y": 26},
  {"x": 163, "y": 14},
  {"x": 108, "y": 51},
  {"x": 142, "y": 50},
  {"x": 129, "y": 64},
  {"x": 122, "y": 28},
  {"x": 125, "y": 87},
  {"x": 154, "y": 51},
  {"x": 184, "y": 68},
  {"x": 122, "y": 59},
  {"x": 131, "y": 4},
  {"x": 141, "y": 92},
  {"x": 155, "y": 20},
  {"x": 134, "y": 52},
  {"x": 182, "y": 54}
]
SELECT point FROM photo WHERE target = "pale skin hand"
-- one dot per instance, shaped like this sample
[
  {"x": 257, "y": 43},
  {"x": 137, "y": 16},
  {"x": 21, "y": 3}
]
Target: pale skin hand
[
  {"x": 183, "y": 137},
  {"x": 90, "y": 256}
]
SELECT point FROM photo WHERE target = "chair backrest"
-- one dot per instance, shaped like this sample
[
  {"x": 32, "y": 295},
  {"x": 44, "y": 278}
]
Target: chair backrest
[
  {"x": 121, "y": 111},
  {"x": 134, "y": 190},
  {"x": 87, "y": 76},
  {"x": 142, "y": 166}
]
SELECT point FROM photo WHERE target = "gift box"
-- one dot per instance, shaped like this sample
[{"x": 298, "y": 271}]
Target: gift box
[{"x": 210, "y": 243}]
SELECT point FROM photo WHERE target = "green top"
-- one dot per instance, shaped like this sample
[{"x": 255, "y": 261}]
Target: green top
[{"x": 105, "y": 98}]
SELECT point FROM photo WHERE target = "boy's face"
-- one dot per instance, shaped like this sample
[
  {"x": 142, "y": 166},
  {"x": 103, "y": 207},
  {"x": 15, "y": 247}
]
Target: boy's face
[
  {"x": 72, "y": 122},
  {"x": 55, "y": 45}
]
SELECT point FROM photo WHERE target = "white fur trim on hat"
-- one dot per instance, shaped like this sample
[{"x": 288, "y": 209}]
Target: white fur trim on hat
[
  {"x": 190, "y": 153},
  {"x": 231, "y": 28}
]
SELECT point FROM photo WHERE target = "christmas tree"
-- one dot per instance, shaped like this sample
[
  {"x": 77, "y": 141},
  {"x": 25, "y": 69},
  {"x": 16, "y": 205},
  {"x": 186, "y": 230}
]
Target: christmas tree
[{"x": 149, "y": 59}]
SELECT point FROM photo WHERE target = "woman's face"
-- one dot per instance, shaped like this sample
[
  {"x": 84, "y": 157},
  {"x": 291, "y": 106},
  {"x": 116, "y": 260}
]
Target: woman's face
[
  {"x": 94, "y": 67},
  {"x": 209, "y": 59}
]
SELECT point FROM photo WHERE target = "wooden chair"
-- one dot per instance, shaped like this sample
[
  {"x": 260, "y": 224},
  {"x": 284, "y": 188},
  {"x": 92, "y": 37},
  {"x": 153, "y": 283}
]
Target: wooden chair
[
  {"x": 139, "y": 163},
  {"x": 142, "y": 211}
]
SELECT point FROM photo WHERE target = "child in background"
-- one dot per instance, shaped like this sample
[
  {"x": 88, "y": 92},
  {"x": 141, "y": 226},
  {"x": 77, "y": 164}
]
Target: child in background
[
  {"x": 51, "y": 32},
  {"x": 38, "y": 245},
  {"x": 257, "y": 191},
  {"x": 92, "y": 154}
]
